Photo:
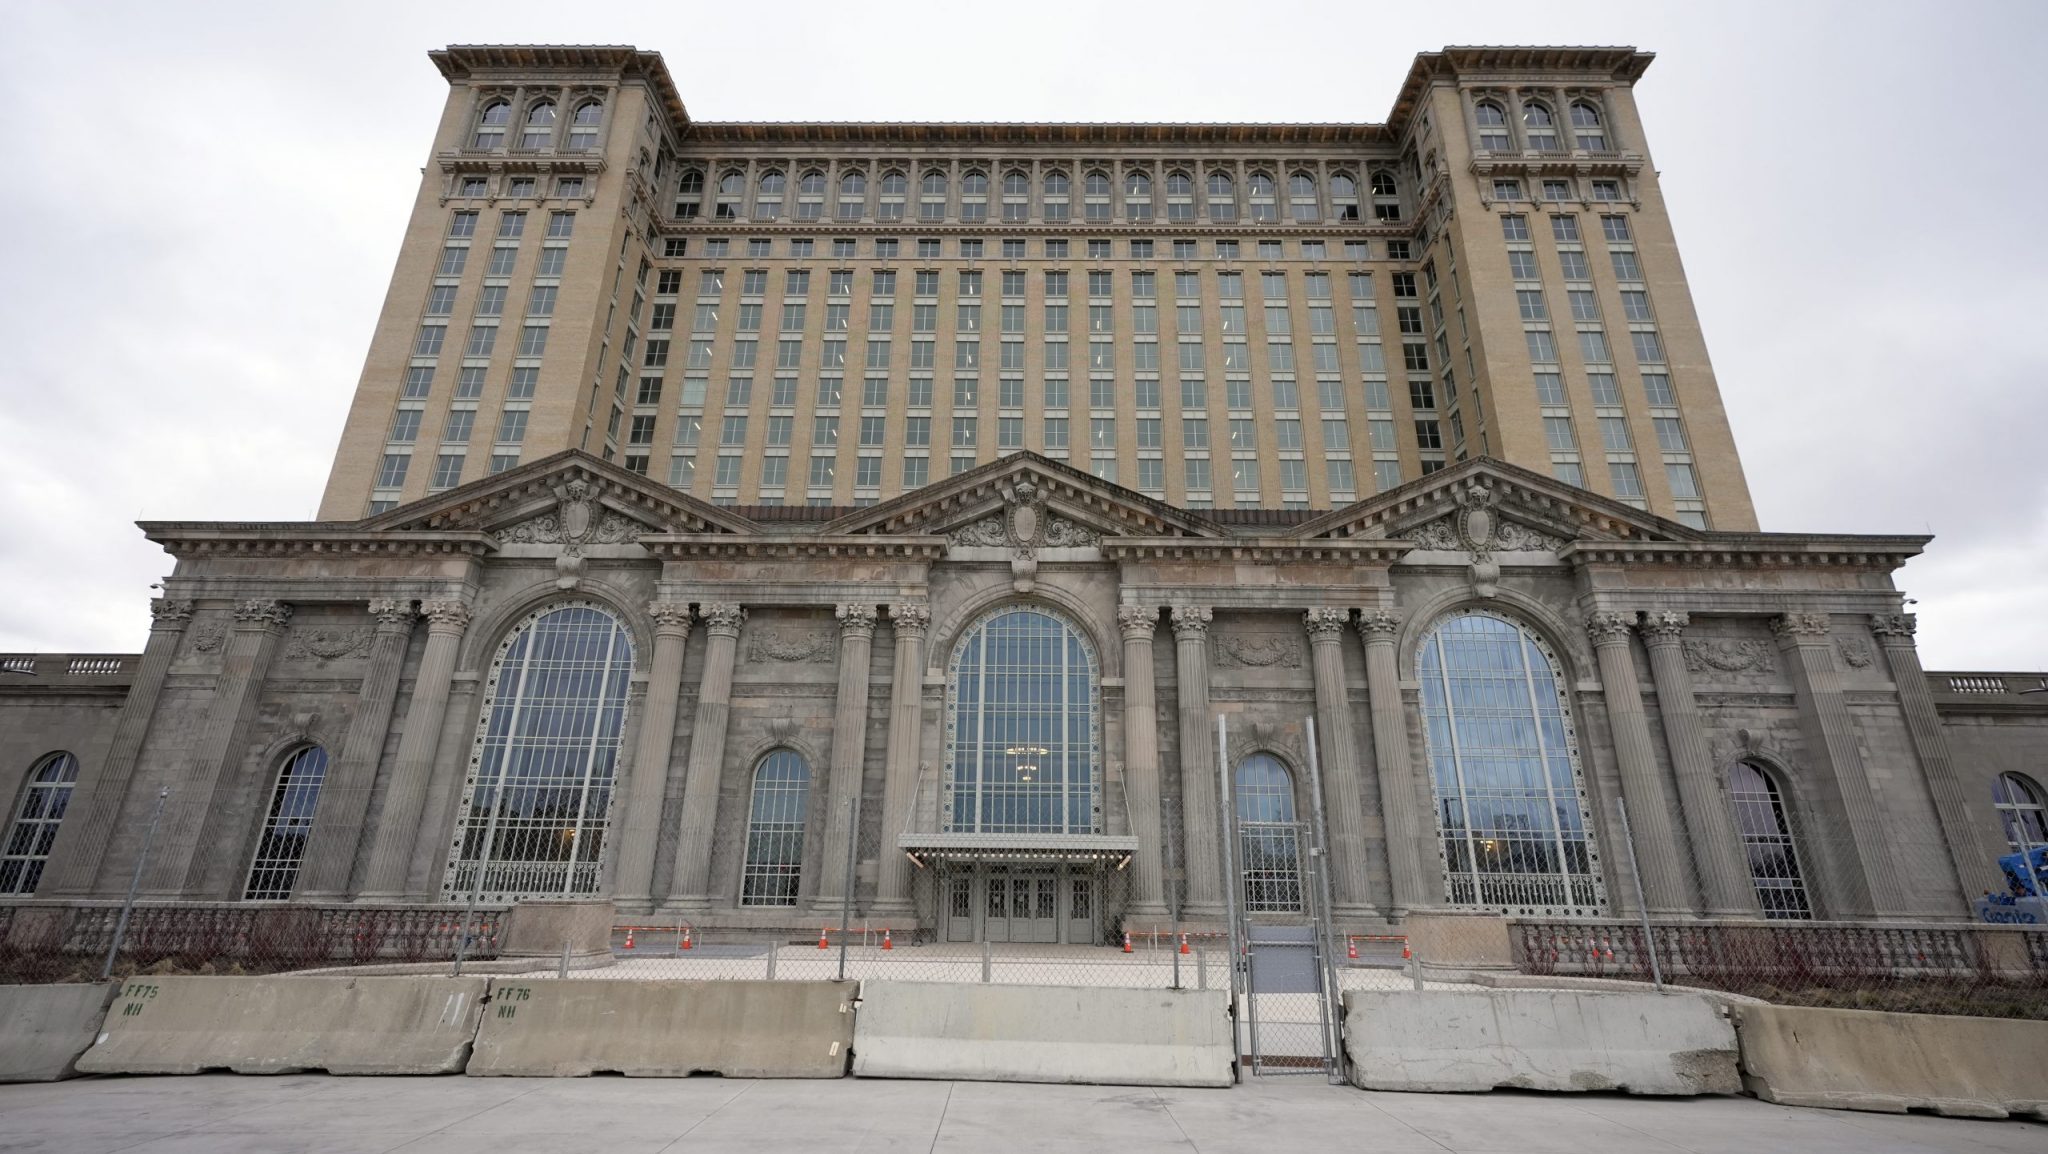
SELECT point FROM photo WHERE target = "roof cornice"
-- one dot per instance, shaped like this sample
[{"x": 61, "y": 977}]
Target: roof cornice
[
  {"x": 467, "y": 61},
  {"x": 1006, "y": 134}
]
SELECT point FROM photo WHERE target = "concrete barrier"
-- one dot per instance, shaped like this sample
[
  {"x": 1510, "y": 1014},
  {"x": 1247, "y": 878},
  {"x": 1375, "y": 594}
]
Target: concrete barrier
[
  {"x": 285, "y": 1024},
  {"x": 1457, "y": 1040},
  {"x": 992, "y": 1033},
  {"x": 43, "y": 1029},
  {"x": 1891, "y": 1063},
  {"x": 658, "y": 1029}
]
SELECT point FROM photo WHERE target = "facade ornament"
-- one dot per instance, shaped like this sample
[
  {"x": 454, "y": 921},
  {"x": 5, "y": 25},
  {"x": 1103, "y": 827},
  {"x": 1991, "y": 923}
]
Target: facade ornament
[
  {"x": 1894, "y": 628},
  {"x": 1856, "y": 652},
  {"x": 579, "y": 521},
  {"x": 445, "y": 616},
  {"x": 1139, "y": 622},
  {"x": 670, "y": 616},
  {"x": 722, "y": 617},
  {"x": 1799, "y": 625},
  {"x": 1737, "y": 656},
  {"x": 263, "y": 612},
  {"x": 1476, "y": 527},
  {"x": 1257, "y": 651},
  {"x": 1607, "y": 627},
  {"x": 1024, "y": 527},
  {"x": 325, "y": 645},
  {"x": 392, "y": 613},
  {"x": 1326, "y": 624},
  {"x": 1191, "y": 622},
  {"x": 1378, "y": 624},
  {"x": 911, "y": 617},
  {"x": 166, "y": 612},
  {"x": 790, "y": 646},
  {"x": 1665, "y": 625},
  {"x": 856, "y": 619},
  {"x": 208, "y": 638}
]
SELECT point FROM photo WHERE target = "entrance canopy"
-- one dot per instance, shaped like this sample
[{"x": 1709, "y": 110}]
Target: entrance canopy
[{"x": 1111, "y": 849}]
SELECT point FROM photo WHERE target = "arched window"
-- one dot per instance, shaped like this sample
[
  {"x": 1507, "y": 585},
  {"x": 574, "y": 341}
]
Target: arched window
[
  {"x": 732, "y": 186},
  {"x": 2020, "y": 812},
  {"x": 540, "y": 125},
  {"x": 931, "y": 196},
  {"x": 1539, "y": 127},
  {"x": 1057, "y": 184},
  {"x": 1137, "y": 197},
  {"x": 1058, "y": 208},
  {"x": 1222, "y": 197},
  {"x": 43, "y": 802},
  {"x": 1095, "y": 188},
  {"x": 490, "y": 124},
  {"x": 768, "y": 204},
  {"x": 1023, "y": 734},
  {"x": 1493, "y": 126},
  {"x": 1268, "y": 840},
  {"x": 1504, "y": 764},
  {"x": 690, "y": 193},
  {"x": 535, "y": 811},
  {"x": 775, "y": 830},
  {"x": 1137, "y": 184},
  {"x": 1767, "y": 838},
  {"x": 1016, "y": 195},
  {"x": 1097, "y": 184},
  {"x": 1301, "y": 198},
  {"x": 1178, "y": 183},
  {"x": 1262, "y": 188},
  {"x": 1586, "y": 126},
  {"x": 853, "y": 195},
  {"x": 583, "y": 126},
  {"x": 1344, "y": 196},
  {"x": 288, "y": 824},
  {"x": 975, "y": 183},
  {"x": 895, "y": 186},
  {"x": 1383, "y": 184},
  {"x": 1016, "y": 183},
  {"x": 974, "y": 196},
  {"x": 812, "y": 184},
  {"x": 894, "y": 183}
]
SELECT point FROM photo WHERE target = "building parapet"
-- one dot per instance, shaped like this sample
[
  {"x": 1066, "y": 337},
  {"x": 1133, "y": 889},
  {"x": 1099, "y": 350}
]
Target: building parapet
[{"x": 1975, "y": 691}]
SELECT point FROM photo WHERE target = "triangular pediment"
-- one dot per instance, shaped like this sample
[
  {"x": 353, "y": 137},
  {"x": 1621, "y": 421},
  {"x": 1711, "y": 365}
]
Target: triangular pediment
[
  {"x": 535, "y": 502},
  {"x": 971, "y": 506},
  {"x": 1527, "y": 511}
]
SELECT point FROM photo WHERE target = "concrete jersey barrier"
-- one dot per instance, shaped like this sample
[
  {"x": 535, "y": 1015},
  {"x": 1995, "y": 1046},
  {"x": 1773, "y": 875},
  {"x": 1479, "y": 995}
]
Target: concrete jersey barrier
[
  {"x": 285, "y": 1024},
  {"x": 1891, "y": 1063},
  {"x": 1470, "y": 1041},
  {"x": 43, "y": 1029},
  {"x": 656, "y": 1029},
  {"x": 994, "y": 1033}
]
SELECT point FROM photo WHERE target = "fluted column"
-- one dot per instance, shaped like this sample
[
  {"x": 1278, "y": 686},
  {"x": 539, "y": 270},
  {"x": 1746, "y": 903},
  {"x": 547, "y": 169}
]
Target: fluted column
[
  {"x": 1344, "y": 799},
  {"x": 640, "y": 814},
  {"x": 1201, "y": 858},
  {"x": 1975, "y": 862},
  {"x": 690, "y": 885},
  {"x": 1709, "y": 822},
  {"x": 910, "y": 619},
  {"x": 200, "y": 850},
  {"x": 345, "y": 795},
  {"x": 1666, "y": 889},
  {"x": 1141, "y": 759},
  {"x": 849, "y": 751},
  {"x": 1394, "y": 764},
  {"x": 103, "y": 789},
  {"x": 398, "y": 823}
]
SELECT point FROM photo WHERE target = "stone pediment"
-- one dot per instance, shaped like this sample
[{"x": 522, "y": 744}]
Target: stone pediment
[
  {"x": 1486, "y": 506},
  {"x": 567, "y": 498},
  {"x": 1024, "y": 501}
]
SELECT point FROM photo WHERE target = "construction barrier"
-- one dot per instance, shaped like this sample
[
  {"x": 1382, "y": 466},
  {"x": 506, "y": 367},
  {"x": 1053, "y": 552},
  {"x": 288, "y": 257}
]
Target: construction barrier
[
  {"x": 1457, "y": 1040},
  {"x": 1891, "y": 1063},
  {"x": 286, "y": 1024},
  {"x": 657, "y": 1029},
  {"x": 43, "y": 1029},
  {"x": 994, "y": 1033}
]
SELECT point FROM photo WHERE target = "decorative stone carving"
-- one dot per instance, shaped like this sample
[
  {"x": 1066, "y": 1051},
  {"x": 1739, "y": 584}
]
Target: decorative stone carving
[
  {"x": 1665, "y": 625},
  {"x": 1894, "y": 628},
  {"x": 392, "y": 614},
  {"x": 791, "y": 646},
  {"x": 725, "y": 617},
  {"x": 1607, "y": 627},
  {"x": 1515, "y": 537},
  {"x": 1192, "y": 621},
  {"x": 1478, "y": 528},
  {"x": 1441, "y": 533},
  {"x": 989, "y": 531},
  {"x": 209, "y": 638},
  {"x": 1798, "y": 625},
  {"x": 1061, "y": 533},
  {"x": 263, "y": 613},
  {"x": 1730, "y": 656},
  {"x": 1856, "y": 652},
  {"x": 911, "y": 617},
  {"x": 325, "y": 645},
  {"x": 856, "y": 619},
  {"x": 1378, "y": 625},
  {"x": 1257, "y": 651},
  {"x": 1327, "y": 624},
  {"x": 578, "y": 522},
  {"x": 1024, "y": 527},
  {"x": 1138, "y": 622},
  {"x": 175, "y": 614},
  {"x": 445, "y": 616},
  {"x": 670, "y": 615}
]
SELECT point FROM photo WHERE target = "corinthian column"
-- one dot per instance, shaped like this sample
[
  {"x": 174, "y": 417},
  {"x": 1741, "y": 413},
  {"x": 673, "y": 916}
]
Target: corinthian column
[
  {"x": 906, "y": 738},
  {"x": 345, "y": 796},
  {"x": 1975, "y": 862},
  {"x": 398, "y": 824},
  {"x": 201, "y": 854},
  {"x": 1709, "y": 823},
  {"x": 1344, "y": 800},
  {"x": 640, "y": 814},
  {"x": 1394, "y": 764},
  {"x": 849, "y": 753},
  {"x": 1200, "y": 858},
  {"x": 1141, "y": 759},
  {"x": 690, "y": 886},
  {"x": 102, "y": 790},
  {"x": 1658, "y": 854}
]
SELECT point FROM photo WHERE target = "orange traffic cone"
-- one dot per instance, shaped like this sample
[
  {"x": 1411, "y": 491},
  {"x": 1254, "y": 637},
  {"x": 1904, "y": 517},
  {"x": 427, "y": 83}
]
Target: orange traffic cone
[
  {"x": 629, "y": 937},
  {"x": 887, "y": 944},
  {"x": 1351, "y": 948},
  {"x": 1183, "y": 943},
  {"x": 1405, "y": 955},
  {"x": 1127, "y": 941},
  {"x": 687, "y": 943},
  {"x": 821, "y": 941}
]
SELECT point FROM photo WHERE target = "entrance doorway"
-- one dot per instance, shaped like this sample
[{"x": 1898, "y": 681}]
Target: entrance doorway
[{"x": 1020, "y": 903}]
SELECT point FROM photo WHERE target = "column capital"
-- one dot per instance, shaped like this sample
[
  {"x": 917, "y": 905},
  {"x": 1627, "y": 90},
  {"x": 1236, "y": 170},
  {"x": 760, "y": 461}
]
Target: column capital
[
  {"x": 165, "y": 613},
  {"x": 670, "y": 617},
  {"x": 446, "y": 617},
  {"x": 1326, "y": 625},
  {"x": 262, "y": 613},
  {"x": 1138, "y": 622},
  {"x": 1191, "y": 622},
  {"x": 1664, "y": 626},
  {"x": 911, "y": 617},
  {"x": 722, "y": 618},
  {"x": 393, "y": 615},
  {"x": 856, "y": 620},
  {"x": 1893, "y": 628},
  {"x": 1378, "y": 625},
  {"x": 1607, "y": 627},
  {"x": 1797, "y": 626}
]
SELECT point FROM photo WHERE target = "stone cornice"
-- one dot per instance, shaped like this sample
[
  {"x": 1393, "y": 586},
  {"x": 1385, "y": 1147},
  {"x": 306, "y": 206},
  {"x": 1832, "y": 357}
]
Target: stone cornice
[
  {"x": 1752, "y": 551},
  {"x": 193, "y": 539},
  {"x": 564, "y": 63},
  {"x": 1348, "y": 551},
  {"x": 1021, "y": 134},
  {"x": 794, "y": 547}
]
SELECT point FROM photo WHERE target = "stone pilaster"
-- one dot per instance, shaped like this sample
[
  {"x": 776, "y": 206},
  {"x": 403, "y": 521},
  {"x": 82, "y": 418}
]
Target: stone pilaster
[
  {"x": 849, "y": 750},
  {"x": 1201, "y": 856},
  {"x": 1709, "y": 822},
  {"x": 398, "y": 823},
  {"x": 1975, "y": 860},
  {"x": 1659, "y": 855},
  {"x": 910, "y": 619},
  {"x": 1394, "y": 762},
  {"x": 1141, "y": 760},
  {"x": 690, "y": 885},
  {"x": 1866, "y": 878},
  {"x": 1343, "y": 797},
  {"x": 639, "y": 810},
  {"x": 102, "y": 792},
  {"x": 345, "y": 795}
]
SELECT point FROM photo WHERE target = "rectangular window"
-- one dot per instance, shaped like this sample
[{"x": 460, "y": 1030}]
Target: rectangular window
[
  {"x": 1541, "y": 347},
  {"x": 1625, "y": 267},
  {"x": 1593, "y": 347},
  {"x": 533, "y": 340},
  {"x": 1658, "y": 386},
  {"x": 1628, "y": 484},
  {"x": 1649, "y": 350}
]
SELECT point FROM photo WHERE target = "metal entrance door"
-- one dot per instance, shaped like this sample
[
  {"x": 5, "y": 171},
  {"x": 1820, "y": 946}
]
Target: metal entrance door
[{"x": 1021, "y": 903}]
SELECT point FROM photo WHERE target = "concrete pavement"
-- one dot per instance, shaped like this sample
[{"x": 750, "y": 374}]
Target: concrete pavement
[{"x": 316, "y": 1114}]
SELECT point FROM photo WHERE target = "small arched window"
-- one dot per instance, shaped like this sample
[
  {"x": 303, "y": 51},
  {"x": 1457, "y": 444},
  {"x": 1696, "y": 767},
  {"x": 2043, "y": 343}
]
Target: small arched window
[
  {"x": 1262, "y": 185},
  {"x": 583, "y": 126},
  {"x": 1301, "y": 198},
  {"x": 1137, "y": 184},
  {"x": 732, "y": 186},
  {"x": 1269, "y": 846},
  {"x": 1222, "y": 197},
  {"x": 1179, "y": 184},
  {"x": 1539, "y": 127},
  {"x": 1016, "y": 183},
  {"x": 1262, "y": 190},
  {"x": 1138, "y": 196},
  {"x": 853, "y": 184},
  {"x": 974, "y": 196},
  {"x": 1768, "y": 842},
  {"x": 282, "y": 846},
  {"x": 811, "y": 184},
  {"x": 1383, "y": 184},
  {"x": 768, "y": 205},
  {"x": 933, "y": 184},
  {"x": 931, "y": 196},
  {"x": 1586, "y": 126},
  {"x": 853, "y": 195},
  {"x": 1493, "y": 126},
  {"x": 1057, "y": 184},
  {"x": 689, "y": 193},
  {"x": 43, "y": 801},
  {"x": 895, "y": 183},
  {"x": 1344, "y": 196},
  {"x": 490, "y": 124},
  {"x": 775, "y": 830},
  {"x": 1096, "y": 184},
  {"x": 975, "y": 183},
  {"x": 2020, "y": 812},
  {"x": 540, "y": 125},
  {"x": 771, "y": 182},
  {"x": 810, "y": 195}
]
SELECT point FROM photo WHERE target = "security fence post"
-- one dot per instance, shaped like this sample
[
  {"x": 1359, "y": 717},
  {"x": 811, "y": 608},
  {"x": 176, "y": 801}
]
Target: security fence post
[
  {"x": 134, "y": 883},
  {"x": 846, "y": 901},
  {"x": 1649, "y": 933}
]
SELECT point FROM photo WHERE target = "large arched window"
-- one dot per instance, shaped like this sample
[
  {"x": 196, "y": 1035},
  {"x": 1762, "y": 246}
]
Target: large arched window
[
  {"x": 43, "y": 802},
  {"x": 539, "y": 793},
  {"x": 1773, "y": 853},
  {"x": 540, "y": 125},
  {"x": 2020, "y": 812},
  {"x": 490, "y": 124},
  {"x": 583, "y": 126},
  {"x": 289, "y": 822},
  {"x": 1023, "y": 734},
  {"x": 775, "y": 830},
  {"x": 1493, "y": 126},
  {"x": 1504, "y": 761},
  {"x": 1269, "y": 846},
  {"x": 1586, "y": 127}
]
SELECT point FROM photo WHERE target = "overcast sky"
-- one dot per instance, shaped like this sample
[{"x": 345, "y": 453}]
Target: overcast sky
[{"x": 207, "y": 201}]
